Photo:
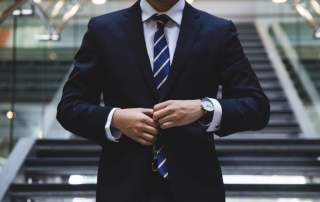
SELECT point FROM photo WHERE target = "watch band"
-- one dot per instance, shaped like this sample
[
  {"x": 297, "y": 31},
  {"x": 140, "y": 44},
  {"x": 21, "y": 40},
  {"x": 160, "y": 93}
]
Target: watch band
[{"x": 207, "y": 118}]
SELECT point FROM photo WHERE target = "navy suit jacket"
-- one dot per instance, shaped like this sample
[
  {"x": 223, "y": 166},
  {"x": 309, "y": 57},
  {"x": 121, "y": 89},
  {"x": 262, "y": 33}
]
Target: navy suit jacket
[{"x": 113, "y": 59}]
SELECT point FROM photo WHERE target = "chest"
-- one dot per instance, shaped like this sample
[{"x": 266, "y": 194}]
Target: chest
[{"x": 126, "y": 62}]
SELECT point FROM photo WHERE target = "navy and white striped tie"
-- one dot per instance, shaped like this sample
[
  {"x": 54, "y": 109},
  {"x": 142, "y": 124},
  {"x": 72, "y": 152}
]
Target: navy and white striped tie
[{"x": 161, "y": 69}]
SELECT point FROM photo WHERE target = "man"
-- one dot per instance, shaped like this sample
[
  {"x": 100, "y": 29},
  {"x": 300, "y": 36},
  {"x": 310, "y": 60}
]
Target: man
[{"x": 159, "y": 65}]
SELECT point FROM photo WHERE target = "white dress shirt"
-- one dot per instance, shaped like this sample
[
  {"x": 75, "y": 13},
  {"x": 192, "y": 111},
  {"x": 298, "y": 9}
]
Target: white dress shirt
[{"x": 171, "y": 32}]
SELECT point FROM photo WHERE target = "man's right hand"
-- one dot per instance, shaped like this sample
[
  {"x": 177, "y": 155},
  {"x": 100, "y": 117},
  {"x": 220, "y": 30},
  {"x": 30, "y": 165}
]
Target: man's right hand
[{"x": 137, "y": 124}]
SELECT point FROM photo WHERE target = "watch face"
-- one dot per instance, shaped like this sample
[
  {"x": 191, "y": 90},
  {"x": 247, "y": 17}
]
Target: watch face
[{"x": 207, "y": 105}]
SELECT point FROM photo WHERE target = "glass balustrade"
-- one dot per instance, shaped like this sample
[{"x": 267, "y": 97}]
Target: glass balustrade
[
  {"x": 33, "y": 69},
  {"x": 294, "y": 28},
  {"x": 38, "y": 41}
]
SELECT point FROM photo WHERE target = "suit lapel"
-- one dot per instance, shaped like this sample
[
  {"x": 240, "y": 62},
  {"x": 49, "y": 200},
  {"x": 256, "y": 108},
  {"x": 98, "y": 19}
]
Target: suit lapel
[
  {"x": 188, "y": 33},
  {"x": 134, "y": 31}
]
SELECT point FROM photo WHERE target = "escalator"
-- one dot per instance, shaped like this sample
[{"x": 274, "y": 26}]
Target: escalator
[
  {"x": 313, "y": 67},
  {"x": 66, "y": 170},
  {"x": 282, "y": 122},
  {"x": 36, "y": 81}
]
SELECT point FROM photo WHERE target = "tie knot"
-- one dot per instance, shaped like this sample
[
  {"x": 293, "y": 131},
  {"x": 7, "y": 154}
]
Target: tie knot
[{"x": 161, "y": 20}]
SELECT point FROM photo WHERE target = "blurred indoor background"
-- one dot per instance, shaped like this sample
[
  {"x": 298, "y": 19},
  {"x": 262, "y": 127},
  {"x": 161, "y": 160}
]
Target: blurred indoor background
[{"x": 40, "y": 161}]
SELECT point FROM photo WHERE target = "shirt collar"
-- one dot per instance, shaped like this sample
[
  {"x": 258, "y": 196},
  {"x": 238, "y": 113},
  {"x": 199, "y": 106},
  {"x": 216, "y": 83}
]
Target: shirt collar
[{"x": 175, "y": 12}]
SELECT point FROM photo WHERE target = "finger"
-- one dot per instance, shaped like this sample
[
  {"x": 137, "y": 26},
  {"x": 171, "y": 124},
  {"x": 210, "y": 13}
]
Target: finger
[
  {"x": 167, "y": 125},
  {"x": 168, "y": 118},
  {"x": 145, "y": 142},
  {"x": 151, "y": 122},
  {"x": 148, "y": 112},
  {"x": 148, "y": 138},
  {"x": 160, "y": 106},
  {"x": 150, "y": 129},
  {"x": 161, "y": 113}
]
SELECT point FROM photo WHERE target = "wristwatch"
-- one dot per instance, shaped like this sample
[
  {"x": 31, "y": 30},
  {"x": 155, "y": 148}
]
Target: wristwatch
[{"x": 208, "y": 107}]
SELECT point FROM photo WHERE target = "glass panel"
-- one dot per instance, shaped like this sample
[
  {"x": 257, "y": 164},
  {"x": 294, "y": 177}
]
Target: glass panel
[
  {"x": 42, "y": 66},
  {"x": 33, "y": 71},
  {"x": 6, "y": 41},
  {"x": 5, "y": 4},
  {"x": 34, "y": 68},
  {"x": 293, "y": 26}
]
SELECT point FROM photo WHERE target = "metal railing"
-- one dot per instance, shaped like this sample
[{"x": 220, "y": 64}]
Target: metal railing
[
  {"x": 8, "y": 11},
  {"x": 69, "y": 14},
  {"x": 46, "y": 20},
  {"x": 54, "y": 32},
  {"x": 308, "y": 16}
]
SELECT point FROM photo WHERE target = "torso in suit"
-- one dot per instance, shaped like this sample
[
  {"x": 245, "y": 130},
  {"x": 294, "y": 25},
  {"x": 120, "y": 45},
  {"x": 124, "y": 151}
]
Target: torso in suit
[{"x": 208, "y": 54}]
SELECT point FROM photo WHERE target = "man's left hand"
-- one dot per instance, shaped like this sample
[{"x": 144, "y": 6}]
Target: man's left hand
[{"x": 177, "y": 112}]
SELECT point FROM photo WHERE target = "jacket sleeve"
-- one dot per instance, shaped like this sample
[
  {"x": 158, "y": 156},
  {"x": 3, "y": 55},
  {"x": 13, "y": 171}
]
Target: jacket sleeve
[
  {"x": 79, "y": 110},
  {"x": 244, "y": 105}
]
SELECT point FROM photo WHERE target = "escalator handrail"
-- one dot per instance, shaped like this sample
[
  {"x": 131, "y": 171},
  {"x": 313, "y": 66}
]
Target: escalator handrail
[{"x": 8, "y": 11}]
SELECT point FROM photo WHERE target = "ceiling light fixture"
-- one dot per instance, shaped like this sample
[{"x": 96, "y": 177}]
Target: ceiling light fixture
[
  {"x": 99, "y": 2},
  {"x": 279, "y": 1},
  {"x": 26, "y": 12},
  {"x": 16, "y": 12}
]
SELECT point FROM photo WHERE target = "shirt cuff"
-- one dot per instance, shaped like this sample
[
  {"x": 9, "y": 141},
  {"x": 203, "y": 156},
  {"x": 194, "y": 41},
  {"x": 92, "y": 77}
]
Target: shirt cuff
[
  {"x": 215, "y": 123},
  {"x": 112, "y": 134}
]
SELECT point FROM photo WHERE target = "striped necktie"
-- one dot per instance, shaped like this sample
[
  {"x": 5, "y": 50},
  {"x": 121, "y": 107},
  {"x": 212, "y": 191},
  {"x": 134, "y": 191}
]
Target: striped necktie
[
  {"x": 161, "y": 69},
  {"x": 161, "y": 61}
]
